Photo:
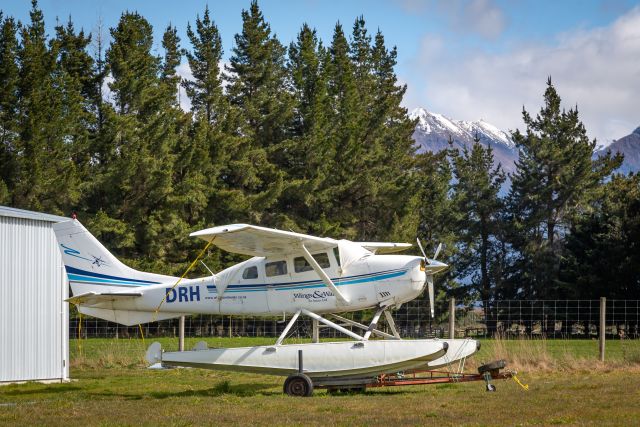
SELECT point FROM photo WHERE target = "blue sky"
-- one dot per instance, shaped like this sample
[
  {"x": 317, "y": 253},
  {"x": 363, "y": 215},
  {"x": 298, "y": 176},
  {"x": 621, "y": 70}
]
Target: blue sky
[{"x": 467, "y": 59}]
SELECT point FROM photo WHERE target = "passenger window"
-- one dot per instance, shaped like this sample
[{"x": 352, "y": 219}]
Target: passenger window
[
  {"x": 300, "y": 264},
  {"x": 250, "y": 273},
  {"x": 336, "y": 253},
  {"x": 276, "y": 268}
]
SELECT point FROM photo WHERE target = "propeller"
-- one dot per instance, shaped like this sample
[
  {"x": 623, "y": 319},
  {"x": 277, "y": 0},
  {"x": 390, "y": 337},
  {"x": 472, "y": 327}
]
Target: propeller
[{"x": 429, "y": 277}]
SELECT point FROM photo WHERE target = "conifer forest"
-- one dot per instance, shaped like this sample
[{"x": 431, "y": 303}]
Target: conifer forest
[{"x": 309, "y": 136}]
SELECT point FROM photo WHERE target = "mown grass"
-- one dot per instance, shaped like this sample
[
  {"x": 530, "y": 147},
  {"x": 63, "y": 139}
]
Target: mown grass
[{"x": 112, "y": 387}]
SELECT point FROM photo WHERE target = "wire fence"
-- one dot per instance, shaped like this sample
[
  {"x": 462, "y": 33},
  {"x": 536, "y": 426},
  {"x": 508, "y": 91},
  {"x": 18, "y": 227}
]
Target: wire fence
[{"x": 562, "y": 319}]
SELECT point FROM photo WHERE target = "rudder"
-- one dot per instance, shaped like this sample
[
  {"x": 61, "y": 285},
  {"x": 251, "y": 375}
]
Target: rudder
[{"x": 92, "y": 268}]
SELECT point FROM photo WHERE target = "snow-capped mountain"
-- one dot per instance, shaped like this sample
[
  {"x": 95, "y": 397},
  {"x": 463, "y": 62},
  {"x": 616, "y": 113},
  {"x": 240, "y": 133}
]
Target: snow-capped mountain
[
  {"x": 433, "y": 130},
  {"x": 630, "y": 147}
]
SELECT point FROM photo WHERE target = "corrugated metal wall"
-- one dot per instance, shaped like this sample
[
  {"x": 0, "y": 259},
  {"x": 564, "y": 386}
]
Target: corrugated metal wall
[{"x": 33, "y": 314}]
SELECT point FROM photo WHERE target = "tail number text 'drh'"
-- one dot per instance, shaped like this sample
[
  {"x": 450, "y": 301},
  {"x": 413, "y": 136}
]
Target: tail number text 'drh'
[{"x": 183, "y": 294}]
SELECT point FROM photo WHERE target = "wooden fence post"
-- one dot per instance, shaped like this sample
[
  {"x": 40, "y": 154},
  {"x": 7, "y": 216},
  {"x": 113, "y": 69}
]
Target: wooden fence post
[
  {"x": 452, "y": 318},
  {"x": 603, "y": 326}
]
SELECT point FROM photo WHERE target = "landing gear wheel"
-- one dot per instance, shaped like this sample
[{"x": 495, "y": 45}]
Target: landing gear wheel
[
  {"x": 298, "y": 385},
  {"x": 491, "y": 387}
]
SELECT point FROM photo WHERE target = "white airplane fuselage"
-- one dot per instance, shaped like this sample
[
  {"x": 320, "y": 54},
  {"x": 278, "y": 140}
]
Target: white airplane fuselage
[{"x": 371, "y": 281}]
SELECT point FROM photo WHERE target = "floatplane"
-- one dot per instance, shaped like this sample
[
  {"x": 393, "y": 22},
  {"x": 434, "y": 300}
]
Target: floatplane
[{"x": 291, "y": 273}]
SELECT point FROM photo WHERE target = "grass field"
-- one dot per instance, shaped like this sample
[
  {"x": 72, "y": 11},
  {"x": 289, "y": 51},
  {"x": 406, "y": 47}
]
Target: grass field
[{"x": 112, "y": 387}]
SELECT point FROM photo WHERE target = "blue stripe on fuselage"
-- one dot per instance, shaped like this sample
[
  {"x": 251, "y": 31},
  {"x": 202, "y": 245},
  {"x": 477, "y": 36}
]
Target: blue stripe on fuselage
[
  {"x": 258, "y": 287},
  {"x": 72, "y": 270}
]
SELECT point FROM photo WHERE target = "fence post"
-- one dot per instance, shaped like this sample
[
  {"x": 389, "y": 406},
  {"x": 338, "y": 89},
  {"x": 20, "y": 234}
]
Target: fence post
[
  {"x": 181, "y": 334},
  {"x": 452, "y": 318},
  {"x": 603, "y": 326}
]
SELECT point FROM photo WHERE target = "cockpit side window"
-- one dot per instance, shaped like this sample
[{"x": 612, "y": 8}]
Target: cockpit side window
[
  {"x": 300, "y": 264},
  {"x": 250, "y": 273},
  {"x": 276, "y": 268}
]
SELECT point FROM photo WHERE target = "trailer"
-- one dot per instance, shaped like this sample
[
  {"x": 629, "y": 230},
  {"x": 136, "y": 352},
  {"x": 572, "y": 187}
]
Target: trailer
[
  {"x": 300, "y": 384},
  {"x": 487, "y": 373}
]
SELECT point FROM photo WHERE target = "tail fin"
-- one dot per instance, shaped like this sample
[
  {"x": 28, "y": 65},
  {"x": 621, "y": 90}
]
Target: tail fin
[{"x": 92, "y": 268}]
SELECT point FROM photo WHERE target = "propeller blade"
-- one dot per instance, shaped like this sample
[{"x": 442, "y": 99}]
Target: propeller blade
[
  {"x": 431, "y": 294},
  {"x": 435, "y": 256},
  {"x": 422, "y": 250}
]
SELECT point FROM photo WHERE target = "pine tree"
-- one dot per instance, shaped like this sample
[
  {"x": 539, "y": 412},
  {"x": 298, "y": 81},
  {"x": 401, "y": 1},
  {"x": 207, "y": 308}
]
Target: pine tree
[
  {"x": 437, "y": 219},
  {"x": 257, "y": 81},
  {"x": 260, "y": 114},
  {"x": 46, "y": 175},
  {"x": 554, "y": 178},
  {"x": 192, "y": 174},
  {"x": 75, "y": 66},
  {"x": 205, "y": 91},
  {"x": 476, "y": 197},
  {"x": 390, "y": 134},
  {"x": 603, "y": 251},
  {"x": 308, "y": 145},
  {"x": 139, "y": 181},
  {"x": 211, "y": 145},
  {"x": 9, "y": 126},
  {"x": 347, "y": 185}
]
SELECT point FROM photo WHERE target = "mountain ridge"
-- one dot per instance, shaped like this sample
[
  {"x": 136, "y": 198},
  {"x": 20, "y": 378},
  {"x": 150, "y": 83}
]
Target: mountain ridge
[{"x": 433, "y": 130}]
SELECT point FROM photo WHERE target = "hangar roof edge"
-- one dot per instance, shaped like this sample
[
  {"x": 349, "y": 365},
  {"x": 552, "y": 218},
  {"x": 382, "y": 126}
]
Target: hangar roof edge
[{"x": 22, "y": 213}]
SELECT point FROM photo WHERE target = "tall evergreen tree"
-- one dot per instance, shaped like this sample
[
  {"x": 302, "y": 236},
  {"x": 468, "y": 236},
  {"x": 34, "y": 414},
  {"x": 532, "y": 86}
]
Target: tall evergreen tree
[
  {"x": 603, "y": 247},
  {"x": 261, "y": 114},
  {"x": 211, "y": 145},
  {"x": 138, "y": 185},
  {"x": 75, "y": 68},
  {"x": 554, "y": 178},
  {"x": 437, "y": 219},
  {"x": 347, "y": 185},
  {"x": 205, "y": 90},
  {"x": 46, "y": 177},
  {"x": 9, "y": 125},
  {"x": 308, "y": 145},
  {"x": 390, "y": 135},
  {"x": 258, "y": 80},
  {"x": 476, "y": 197}
]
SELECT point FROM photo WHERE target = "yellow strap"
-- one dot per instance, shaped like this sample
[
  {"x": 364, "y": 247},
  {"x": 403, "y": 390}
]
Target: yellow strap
[
  {"x": 524, "y": 386},
  {"x": 141, "y": 334},
  {"x": 182, "y": 277},
  {"x": 79, "y": 331}
]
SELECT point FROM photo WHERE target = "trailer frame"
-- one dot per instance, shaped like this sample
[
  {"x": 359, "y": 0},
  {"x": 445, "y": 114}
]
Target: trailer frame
[{"x": 415, "y": 377}]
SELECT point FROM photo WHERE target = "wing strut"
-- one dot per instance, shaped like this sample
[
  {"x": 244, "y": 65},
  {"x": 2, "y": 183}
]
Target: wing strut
[{"x": 327, "y": 281}]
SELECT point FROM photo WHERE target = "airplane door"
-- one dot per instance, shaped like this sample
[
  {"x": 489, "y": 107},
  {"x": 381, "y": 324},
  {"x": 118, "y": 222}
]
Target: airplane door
[{"x": 277, "y": 272}]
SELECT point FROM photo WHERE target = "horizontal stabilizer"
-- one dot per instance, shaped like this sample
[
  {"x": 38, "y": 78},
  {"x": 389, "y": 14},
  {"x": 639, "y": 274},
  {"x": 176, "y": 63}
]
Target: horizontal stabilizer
[
  {"x": 93, "y": 298},
  {"x": 128, "y": 317}
]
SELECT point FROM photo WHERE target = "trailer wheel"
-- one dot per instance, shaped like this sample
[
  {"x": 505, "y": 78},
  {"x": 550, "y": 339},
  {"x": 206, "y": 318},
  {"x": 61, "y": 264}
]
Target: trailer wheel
[{"x": 298, "y": 385}]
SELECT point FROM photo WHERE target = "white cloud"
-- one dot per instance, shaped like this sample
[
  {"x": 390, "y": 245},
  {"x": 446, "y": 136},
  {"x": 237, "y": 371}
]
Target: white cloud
[
  {"x": 598, "y": 69},
  {"x": 184, "y": 71},
  {"x": 481, "y": 17}
]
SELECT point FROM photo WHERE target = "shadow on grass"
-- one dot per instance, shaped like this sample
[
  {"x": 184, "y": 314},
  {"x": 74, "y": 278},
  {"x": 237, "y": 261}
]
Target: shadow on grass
[
  {"x": 58, "y": 388},
  {"x": 224, "y": 388}
]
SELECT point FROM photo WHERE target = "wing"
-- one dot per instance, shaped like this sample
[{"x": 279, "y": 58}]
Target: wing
[
  {"x": 261, "y": 241},
  {"x": 384, "y": 247}
]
